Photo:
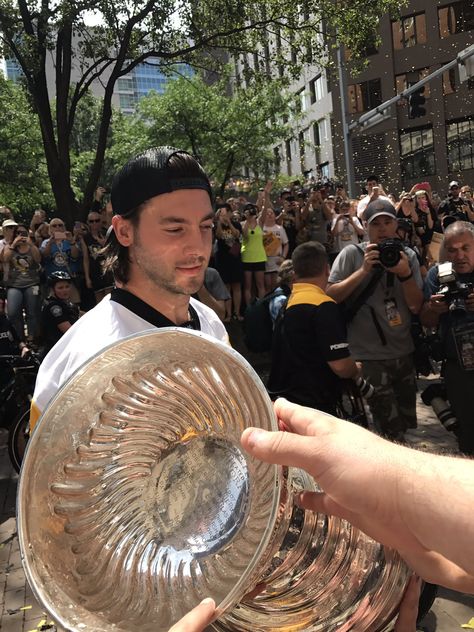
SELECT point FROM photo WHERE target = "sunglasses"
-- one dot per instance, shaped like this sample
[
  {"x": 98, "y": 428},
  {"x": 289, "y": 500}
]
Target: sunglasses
[
  {"x": 57, "y": 225},
  {"x": 408, "y": 199},
  {"x": 22, "y": 234},
  {"x": 94, "y": 221}
]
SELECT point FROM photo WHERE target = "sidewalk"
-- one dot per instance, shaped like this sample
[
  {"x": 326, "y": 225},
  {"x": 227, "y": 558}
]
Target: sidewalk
[{"x": 21, "y": 613}]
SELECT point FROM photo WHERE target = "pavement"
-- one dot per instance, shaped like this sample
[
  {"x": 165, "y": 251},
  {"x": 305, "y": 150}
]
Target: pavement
[{"x": 20, "y": 612}]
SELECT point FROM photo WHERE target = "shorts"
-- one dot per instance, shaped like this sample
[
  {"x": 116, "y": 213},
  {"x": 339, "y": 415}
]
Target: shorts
[
  {"x": 273, "y": 264},
  {"x": 258, "y": 266}
]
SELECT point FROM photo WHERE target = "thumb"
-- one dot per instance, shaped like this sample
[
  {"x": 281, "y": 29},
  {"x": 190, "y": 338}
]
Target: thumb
[
  {"x": 197, "y": 619},
  {"x": 280, "y": 448}
]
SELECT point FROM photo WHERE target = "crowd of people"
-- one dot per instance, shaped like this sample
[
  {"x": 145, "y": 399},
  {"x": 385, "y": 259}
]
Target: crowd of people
[{"x": 372, "y": 256}]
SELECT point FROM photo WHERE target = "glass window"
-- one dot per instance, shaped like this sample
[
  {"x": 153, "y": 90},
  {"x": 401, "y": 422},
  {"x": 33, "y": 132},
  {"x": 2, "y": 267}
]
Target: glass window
[
  {"x": 417, "y": 153},
  {"x": 409, "y": 31},
  {"x": 364, "y": 96},
  {"x": 316, "y": 89},
  {"x": 456, "y": 17},
  {"x": 460, "y": 140}
]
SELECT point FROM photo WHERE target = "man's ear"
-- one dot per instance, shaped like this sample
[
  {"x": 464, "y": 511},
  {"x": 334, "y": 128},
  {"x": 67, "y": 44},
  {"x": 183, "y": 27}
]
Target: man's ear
[{"x": 123, "y": 230}]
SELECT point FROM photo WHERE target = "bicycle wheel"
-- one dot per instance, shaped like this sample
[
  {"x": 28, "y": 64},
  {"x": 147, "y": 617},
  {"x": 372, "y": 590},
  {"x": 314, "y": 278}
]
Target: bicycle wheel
[{"x": 18, "y": 436}]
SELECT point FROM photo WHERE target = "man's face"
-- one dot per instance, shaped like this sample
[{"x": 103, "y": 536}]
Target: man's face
[
  {"x": 460, "y": 250},
  {"x": 382, "y": 227},
  {"x": 8, "y": 233},
  {"x": 94, "y": 221},
  {"x": 454, "y": 192},
  {"x": 171, "y": 245},
  {"x": 371, "y": 184}
]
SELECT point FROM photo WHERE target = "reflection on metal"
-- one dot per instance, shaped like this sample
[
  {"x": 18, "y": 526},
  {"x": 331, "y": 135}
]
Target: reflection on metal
[{"x": 136, "y": 501}]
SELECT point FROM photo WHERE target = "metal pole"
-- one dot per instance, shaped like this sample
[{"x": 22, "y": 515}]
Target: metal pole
[{"x": 346, "y": 133}]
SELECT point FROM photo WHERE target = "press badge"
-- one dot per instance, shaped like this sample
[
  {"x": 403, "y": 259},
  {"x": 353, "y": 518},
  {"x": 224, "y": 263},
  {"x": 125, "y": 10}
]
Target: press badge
[
  {"x": 391, "y": 310},
  {"x": 464, "y": 340}
]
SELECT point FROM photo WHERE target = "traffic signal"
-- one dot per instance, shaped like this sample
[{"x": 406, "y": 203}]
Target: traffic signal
[{"x": 417, "y": 101}]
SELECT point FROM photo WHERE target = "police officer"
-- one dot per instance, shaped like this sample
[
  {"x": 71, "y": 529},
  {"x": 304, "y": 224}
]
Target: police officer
[
  {"x": 58, "y": 313},
  {"x": 453, "y": 313}
]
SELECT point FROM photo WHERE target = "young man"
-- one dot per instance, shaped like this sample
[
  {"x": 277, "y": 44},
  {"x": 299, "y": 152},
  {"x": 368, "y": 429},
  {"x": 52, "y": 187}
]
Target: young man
[
  {"x": 380, "y": 331},
  {"x": 158, "y": 251}
]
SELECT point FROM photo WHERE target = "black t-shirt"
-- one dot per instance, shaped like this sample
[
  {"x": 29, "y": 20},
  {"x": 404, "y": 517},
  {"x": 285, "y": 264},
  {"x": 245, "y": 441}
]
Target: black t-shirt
[
  {"x": 306, "y": 338},
  {"x": 55, "y": 312}
]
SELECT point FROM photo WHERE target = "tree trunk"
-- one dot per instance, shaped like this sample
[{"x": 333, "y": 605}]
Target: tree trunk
[{"x": 228, "y": 173}]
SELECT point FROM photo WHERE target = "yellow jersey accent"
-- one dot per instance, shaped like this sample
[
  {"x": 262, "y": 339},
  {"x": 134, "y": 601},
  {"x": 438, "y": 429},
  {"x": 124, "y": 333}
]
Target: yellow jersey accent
[
  {"x": 35, "y": 414},
  {"x": 308, "y": 294}
]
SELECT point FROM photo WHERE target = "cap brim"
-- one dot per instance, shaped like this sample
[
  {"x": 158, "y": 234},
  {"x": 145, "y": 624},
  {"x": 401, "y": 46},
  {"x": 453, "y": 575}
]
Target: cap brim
[{"x": 381, "y": 213}]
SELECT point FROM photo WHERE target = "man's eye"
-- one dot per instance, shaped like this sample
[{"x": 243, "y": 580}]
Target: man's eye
[
  {"x": 174, "y": 230},
  {"x": 206, "y": 227}
]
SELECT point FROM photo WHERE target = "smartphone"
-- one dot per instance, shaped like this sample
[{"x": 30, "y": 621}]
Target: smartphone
[{"x": 59, "y": 235}]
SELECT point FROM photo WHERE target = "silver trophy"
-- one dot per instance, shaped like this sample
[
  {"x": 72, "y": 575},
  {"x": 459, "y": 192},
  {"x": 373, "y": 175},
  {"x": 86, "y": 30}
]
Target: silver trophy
[{"x": 136, "y": 501}]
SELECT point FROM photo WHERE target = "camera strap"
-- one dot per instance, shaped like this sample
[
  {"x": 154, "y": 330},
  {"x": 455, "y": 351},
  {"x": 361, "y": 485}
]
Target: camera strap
[{"x": 351, "y": 310}]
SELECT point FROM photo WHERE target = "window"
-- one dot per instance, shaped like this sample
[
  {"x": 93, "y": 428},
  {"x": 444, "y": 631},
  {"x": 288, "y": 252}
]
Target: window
[
  {"x": 322, "y": 130},
  {"x": 456, "y": 17},
  {"x": 364, "y": 96},
  {"x": 402, "y": 82},
  {"x": 409, "y": 31},
  {"x": 460, "y": 141},
  {"x": 449, "y": 81},
  {"x": 316, "y": 89},
  {"x": 417, "y": 153},
  {"x": 300, "y": 102}
]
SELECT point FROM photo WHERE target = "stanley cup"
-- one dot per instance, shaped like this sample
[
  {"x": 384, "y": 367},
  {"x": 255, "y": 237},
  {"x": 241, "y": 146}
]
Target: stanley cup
[{"x": 136, "y": 501}]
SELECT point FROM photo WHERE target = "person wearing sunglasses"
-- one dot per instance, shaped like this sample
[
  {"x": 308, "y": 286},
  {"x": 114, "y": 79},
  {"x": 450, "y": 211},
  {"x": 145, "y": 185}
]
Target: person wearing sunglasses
[
  {"x": 22, "y": 278},
  {"x": 101, "y": 283}
]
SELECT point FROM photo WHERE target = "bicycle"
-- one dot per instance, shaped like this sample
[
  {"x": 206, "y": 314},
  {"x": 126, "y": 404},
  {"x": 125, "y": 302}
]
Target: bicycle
[{"x": 15, "y": 399}]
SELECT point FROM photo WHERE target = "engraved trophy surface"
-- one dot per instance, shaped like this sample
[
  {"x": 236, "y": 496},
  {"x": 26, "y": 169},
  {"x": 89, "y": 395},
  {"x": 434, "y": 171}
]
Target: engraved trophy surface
[{"x": 136, "y": 501}]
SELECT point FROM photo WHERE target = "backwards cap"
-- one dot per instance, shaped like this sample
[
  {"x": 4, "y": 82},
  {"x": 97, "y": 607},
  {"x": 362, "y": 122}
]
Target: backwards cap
[{"x": 149, "y": 174}]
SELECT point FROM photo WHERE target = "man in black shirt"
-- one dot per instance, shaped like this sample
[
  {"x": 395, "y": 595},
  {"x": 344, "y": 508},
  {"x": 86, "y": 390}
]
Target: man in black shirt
[
  {"x": 310, "y": 353},
  {"x": 58, "y": 313}
]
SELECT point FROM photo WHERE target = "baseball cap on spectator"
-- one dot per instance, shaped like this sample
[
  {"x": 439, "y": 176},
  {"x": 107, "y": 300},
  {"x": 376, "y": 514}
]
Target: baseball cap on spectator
[
  {"x": 379, "y": 207},
  {"x": 454, "y": 184},
  {"x": 9, "y": 223},
  {"x": 149, "y": 174}
]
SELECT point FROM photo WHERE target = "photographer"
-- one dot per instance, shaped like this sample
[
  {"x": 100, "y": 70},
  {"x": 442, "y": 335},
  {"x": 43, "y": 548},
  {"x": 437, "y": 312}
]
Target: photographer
[
  {"x": 455, "y": 205},
  {"x": 450, "y": 306},
  {"x": 381, "y": 284}
]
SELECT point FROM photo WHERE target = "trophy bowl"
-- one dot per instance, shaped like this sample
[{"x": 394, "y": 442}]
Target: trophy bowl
[{"x": 136, "y": 501}]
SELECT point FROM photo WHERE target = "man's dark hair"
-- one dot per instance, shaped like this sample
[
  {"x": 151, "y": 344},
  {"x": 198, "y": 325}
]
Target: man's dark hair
[
  {"x": 309, "y": 260},
  {"x": 225, "y": 205},
  {"x": 180, "y": 167},
  {"x": 372, "y": 177}
]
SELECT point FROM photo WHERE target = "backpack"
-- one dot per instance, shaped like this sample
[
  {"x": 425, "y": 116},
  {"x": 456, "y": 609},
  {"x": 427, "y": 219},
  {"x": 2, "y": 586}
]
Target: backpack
[{"x": 258, "y": 325}]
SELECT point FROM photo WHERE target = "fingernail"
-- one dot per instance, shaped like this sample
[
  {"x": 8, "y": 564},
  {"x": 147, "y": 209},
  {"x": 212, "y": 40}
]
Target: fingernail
[
  {"x": 206, "y": 601},
  {"x": 256, "y": 437}
]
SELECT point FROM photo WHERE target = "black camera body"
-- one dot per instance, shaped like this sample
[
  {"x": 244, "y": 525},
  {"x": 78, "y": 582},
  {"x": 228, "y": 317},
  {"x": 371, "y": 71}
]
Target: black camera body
[
  {"x": 390, "y": 252},
  {"x": 453, "y": 291}
]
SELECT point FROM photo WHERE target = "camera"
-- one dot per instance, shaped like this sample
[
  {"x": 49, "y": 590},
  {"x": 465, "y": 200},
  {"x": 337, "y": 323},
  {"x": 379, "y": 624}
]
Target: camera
[
  {"x": 435, "y": 396},
  {"x": 250, "y": 209},
  {"x": 454, "y": 292},
  {"x": 390, "y": 252}
]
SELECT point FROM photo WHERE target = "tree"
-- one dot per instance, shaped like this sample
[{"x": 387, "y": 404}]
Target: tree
[
  {"x": 23, "y": 176},
  {"x": 226, "y": 131},
  {"x": 130, "y": 32}
]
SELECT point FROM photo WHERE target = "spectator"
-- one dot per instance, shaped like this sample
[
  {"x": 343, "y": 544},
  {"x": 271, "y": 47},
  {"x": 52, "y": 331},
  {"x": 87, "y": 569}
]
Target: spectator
[
  {"x": 290, "y": 218},
  {"x": 379, "y": 332},
  {"x": 22, "y": 278},
  {"x": 39, "y": 217},
  {"x": 214, "y": 293},
  {"x": 8, "y": 229},
  {"x": 310, "y": 350},
  {"x": 426, "y": 218},
  {"x": 346, "y": 228},
  {"x": 315, "y": 217},
  {"x": 456, "y": 327},
  {"x": 253, "y": 253},
  {"x": 455, "y": 205},
  {"x": 283, "y": 290},
  {"x": 227, "y": 258},
  {"x": 94, "y": 241},
  {"x": 374, "y": 191},
  {"x": 275, "y": 242},
  {"x": 41, "y": 233}
]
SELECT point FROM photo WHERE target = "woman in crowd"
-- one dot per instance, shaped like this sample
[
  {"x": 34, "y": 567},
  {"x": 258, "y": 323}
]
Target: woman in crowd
[
  {"x": 22, "y": 278},
  {"x": 275, "y": 242},
  {"x": 94, "y": 241},
  {"x": 426, "y": 217},
  {"x": 253, "y": 252},
  {"x": 227, "y": 258},
  {"x": 346, "y": 227}
]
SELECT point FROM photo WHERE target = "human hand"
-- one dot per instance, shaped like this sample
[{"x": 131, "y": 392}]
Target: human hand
[
  {"x": 99, "y": 193},
  {"x": 408, "y": 612},
  {"x": 359, "y": 472},
  {"x": 371, "y": 258},
  {"x": 470, "y": 302},
  {"x": 402, "y": 268},
  {"x": 197, "y": 619}
]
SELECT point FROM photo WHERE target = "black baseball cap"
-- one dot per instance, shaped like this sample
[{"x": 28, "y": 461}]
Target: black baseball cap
[
  {"x": 379, "y": 207},
  {"x": 150, "y": 174}
]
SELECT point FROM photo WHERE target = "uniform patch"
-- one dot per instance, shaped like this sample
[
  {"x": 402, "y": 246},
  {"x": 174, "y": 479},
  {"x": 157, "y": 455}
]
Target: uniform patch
[{"x": 56, "y": 311}]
